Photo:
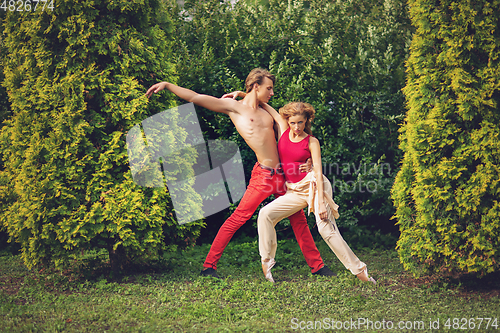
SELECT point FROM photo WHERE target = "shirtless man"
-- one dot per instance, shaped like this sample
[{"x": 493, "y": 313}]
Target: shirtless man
[{"x": 255, "y": 126}]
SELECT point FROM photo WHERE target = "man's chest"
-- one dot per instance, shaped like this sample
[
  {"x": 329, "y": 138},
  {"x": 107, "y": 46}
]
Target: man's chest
[{"x": 253, "y": 124}]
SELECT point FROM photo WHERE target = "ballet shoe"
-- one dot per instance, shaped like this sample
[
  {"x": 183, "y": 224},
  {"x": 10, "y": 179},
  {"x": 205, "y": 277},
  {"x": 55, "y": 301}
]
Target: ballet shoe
[
  {"x": 363, "y": 276},
  {"x": 266, "y": 268}
]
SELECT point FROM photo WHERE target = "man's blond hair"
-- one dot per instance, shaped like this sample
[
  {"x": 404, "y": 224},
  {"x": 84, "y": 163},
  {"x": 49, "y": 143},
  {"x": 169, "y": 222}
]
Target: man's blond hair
[{"x": 257, "y": 75}]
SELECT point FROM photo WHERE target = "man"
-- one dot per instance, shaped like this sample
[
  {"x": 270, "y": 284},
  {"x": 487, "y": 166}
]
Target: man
[{"x": 255, "y": 126}]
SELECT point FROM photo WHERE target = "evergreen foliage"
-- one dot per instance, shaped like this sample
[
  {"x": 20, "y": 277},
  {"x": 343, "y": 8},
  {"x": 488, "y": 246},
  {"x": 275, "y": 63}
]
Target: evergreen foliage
[
  {"x": 447, "y": 193},
  {"x": 346, "y": 58},
  {"x": 76, "y": 78},
  {"x": 4, "y": 100},
  {"x": 4, "y": 113}
]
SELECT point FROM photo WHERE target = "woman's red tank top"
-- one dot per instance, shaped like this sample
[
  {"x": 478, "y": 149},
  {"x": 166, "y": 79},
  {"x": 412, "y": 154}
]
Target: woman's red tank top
[{"x": 293, "y": 154}]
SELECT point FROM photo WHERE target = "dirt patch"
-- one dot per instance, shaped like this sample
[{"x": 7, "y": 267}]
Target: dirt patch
[
  {"x": 466, "y": 286},
  {"x": 10, "y": 285}
]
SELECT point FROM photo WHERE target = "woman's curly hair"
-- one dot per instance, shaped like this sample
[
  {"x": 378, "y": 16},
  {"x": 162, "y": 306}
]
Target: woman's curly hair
[{"x": 299, "y": 108}]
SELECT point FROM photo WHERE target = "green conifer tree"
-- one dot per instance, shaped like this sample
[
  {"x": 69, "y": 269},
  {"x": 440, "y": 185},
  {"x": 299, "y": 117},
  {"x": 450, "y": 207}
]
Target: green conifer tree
[
  {"x": 76, "y": 76},
  {"x": 447, "y": 193},
  {"x": 4, "y": 114}
]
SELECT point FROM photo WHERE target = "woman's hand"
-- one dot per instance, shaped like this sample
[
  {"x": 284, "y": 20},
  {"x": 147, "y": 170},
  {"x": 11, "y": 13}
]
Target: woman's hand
[
  {"x": 235, "y": 94},
  {"x": 323, "y": 214}
]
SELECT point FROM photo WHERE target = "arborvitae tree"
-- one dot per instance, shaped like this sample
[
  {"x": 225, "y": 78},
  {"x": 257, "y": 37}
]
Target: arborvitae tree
[
  {"x": 4, "y": 101},
  {"x": 447, "y": 193},
  {"x": 76, "y": 78},
  {"x": 4, "y": 113}
]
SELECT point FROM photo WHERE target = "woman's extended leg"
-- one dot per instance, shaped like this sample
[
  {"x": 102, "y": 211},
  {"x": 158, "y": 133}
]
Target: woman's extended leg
[
  {"x": 331, "y": 235},
  {"x": 269, "y": 216}
]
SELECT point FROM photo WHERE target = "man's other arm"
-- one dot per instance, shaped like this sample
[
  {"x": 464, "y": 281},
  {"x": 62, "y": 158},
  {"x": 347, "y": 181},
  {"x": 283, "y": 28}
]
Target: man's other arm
[{"x": 225, "y": 105}]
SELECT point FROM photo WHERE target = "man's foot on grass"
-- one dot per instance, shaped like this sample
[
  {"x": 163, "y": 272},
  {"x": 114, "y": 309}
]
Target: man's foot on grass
[
  {"x": 209, "y": 272},
  {"x": 325, "y": 271}
]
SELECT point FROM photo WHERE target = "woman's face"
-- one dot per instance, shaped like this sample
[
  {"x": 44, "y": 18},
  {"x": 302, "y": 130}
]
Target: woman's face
[{"x": 297, "y": 124}]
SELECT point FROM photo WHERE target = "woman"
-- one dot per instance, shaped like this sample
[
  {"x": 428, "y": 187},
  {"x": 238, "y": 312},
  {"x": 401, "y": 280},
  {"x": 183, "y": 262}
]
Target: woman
[{"x": 296, "y": 145}]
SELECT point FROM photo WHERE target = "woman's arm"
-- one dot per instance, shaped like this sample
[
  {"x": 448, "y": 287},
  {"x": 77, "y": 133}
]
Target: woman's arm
[
  {"x": 235, "y": 94},
  {"x": 282, "y": 123},
  {"x": 315, "y": 149}
]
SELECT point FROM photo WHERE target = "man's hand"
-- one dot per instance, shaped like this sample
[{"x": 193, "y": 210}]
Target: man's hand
[
  {"x": 156, "y": 88},
  {"x": 306, "y": 167},
  {"x": 235, "y": 94}
]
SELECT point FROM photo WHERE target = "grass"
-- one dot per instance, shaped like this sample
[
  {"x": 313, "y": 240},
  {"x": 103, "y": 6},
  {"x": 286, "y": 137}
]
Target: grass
[{"x": 171, "y": 296}]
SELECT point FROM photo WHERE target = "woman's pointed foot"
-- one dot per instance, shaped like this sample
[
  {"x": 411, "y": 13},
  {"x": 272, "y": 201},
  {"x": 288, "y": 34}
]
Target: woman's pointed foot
[
  {"x": 363, "y": 276},
  {"x": 267, "y": 265}
]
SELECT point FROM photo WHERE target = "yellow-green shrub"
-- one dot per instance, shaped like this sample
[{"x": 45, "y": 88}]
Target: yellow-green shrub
[
  {"x": 447, "y": 192},
  {"x": 76, "y": 78}
]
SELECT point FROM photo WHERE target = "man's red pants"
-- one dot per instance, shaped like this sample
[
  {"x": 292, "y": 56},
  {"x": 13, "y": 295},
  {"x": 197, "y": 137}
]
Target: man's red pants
[{"x": 262, "y": 184}]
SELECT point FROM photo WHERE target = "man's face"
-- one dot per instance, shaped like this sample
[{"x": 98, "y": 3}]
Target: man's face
[{"x": 265, "y": 90}]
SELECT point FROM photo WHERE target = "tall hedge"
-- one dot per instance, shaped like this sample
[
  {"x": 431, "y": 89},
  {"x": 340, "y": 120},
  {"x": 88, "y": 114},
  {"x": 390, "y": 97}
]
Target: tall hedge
[
  {"x": 346, "y": 58},
  {"x": 4, "y": 113},
  {"x": 76, "y": 78},
  {"x": 447, "y": 193},
  {"x": 4, "y": 100}
]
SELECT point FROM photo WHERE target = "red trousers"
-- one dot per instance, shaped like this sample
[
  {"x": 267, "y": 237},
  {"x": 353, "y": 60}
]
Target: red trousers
[{"x": 262, "y": 184}]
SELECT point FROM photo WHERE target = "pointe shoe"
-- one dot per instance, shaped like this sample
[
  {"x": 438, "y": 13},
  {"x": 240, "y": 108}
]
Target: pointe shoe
[
  {"x": 266, "y": 268},
  {"x": 363, "y": 276}
]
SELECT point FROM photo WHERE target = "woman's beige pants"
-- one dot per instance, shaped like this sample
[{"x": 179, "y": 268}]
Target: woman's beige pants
[{"x": 290, "y": 203}]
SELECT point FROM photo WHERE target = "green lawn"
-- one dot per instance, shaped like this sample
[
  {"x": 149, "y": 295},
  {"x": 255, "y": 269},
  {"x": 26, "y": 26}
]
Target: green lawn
[{"x": 171, "y": 296}]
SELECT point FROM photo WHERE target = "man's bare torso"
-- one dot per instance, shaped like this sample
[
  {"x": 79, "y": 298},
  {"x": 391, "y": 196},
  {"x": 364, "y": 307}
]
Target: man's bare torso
[{"x": 256, "y": 128}]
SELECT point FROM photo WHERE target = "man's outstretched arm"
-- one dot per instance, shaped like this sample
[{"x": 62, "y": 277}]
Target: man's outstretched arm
[{"x": 214, "y": 104}]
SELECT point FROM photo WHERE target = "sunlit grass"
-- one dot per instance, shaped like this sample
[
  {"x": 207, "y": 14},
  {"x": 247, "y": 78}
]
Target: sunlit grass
[{"x": 171, "y": 296}]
